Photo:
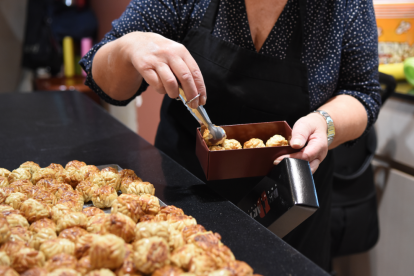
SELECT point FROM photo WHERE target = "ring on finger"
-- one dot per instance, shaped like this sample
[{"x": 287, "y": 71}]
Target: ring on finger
[{"x": 187, "y": 102}]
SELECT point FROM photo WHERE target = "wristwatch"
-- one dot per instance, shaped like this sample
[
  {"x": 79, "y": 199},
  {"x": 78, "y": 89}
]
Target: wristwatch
[{"x": 330, "y": 123}]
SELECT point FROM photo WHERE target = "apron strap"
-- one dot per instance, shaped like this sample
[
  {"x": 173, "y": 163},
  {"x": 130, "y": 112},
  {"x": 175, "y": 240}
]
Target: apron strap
[
  {"x": 210, "y": 16},
  {"x": 294, "y": 50}
]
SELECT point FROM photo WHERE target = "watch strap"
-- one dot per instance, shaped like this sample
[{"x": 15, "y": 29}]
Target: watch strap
[{"x": 330, "y": 124}]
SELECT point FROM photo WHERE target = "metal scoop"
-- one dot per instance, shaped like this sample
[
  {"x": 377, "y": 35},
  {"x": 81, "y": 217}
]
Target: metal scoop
[{"x": 217, "y": 134}]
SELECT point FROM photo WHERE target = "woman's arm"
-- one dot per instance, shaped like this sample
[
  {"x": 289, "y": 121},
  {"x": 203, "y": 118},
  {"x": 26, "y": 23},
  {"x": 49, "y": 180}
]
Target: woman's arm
[
  {"x": 119, "y": 67},
  {"x": 355, "y": 105},
  {"x": 141, "y": 45}
]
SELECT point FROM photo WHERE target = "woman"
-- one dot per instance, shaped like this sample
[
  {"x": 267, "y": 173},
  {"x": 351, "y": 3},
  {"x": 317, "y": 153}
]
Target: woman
[{"x": 259, "y": 61}]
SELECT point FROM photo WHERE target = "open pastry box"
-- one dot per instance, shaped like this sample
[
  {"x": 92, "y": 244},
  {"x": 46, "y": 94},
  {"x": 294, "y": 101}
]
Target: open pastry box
[{"x": 241, "y": 163}]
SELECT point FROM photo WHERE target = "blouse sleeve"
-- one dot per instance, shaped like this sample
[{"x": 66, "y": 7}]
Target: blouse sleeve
[
  {"x": 358, "y": 75},
  {"x": 169, "y": 18}
]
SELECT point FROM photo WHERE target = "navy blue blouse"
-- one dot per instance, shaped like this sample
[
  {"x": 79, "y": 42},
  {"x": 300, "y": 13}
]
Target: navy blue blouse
[{"x": 341, "y": 50}]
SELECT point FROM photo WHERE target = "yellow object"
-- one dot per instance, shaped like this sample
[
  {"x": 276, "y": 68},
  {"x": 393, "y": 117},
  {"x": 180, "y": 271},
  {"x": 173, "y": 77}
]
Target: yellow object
[
  {"x": 394, "y": 69},
  {"x": 68, "y": 56}
]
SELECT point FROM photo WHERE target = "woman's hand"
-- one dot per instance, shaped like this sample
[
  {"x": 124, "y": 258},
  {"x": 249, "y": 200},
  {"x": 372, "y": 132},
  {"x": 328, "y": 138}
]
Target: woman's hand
[
  {"x": 311, "y": 129},
  {"x": 120, "y": 66},
  {"x": 161, "y": 61}
]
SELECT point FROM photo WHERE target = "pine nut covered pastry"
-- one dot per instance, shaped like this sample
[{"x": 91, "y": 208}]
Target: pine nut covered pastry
[
  {"x": 149, "y": 229},
  {"x": 96, "y": 179},
  {"x": 71, "y": 176},
  {"x": 15, "y": 220},
  {"x": 103, "y": 197},
  {"x": 4, "y": 172},
  {"x": 64, "y": 272},
  {"x": 58, "y": 211},
  {"x": 41, "y": 236},
  {"x": 88, "y": 171},
  {"x": 216, "y": 148},
  {"x": 4, "y": 182},
  {"x": 27, "y": 258},
  {"x": 8, "y": 271},
  {"x": 171, "y": 209},
  {"x": 45, "y": 197},
  {"x": 231, "y": 144},
  {"x": 73, "y": 219},
  {"x": 202, "y": 264},
  {"x": 83, "y": 244},
  {"x": 183, "y": 256},
  {"x": 146, "y": 218},
  {"x": 30, "y": 166},
  {"x": 75, "y": 164},
  {"x": 176, "y": 239},
  {"x": 128, "y": 205},
  {"x": 126, "y": 181},
  {"x": 107, "y": 251},
  {"x": 48, "y": 184},
  {"x": 121, "y": 226},
  {"x": 62, "y": 188},
  {"x": 43, "y": 173},
  {"x": 210, "y": 243},
  {"x": 42, "y": 224},
  {"x": 151, "y": 254},
  {"x": 61, "y": 260},
  {"x": 22, "y": 186},
  {"x": 55, "y": 167},
  {"x": 140, "y": 188},
  {"x": 56, "y": 246},
  {"x": 168, "y": 270},
  {"x": 15, "y": 200},
  {"x": 253, "y": 143},
  {"x": 191, "y": 230},
  {"x": 128, "y": 267},
  {"x": 19, "y": 174},
  {"x": 4, "y": 230},
  {"x": 128, "y": 173},
  {"x": 111, "y": 177},
  {"x": 207, "y": 136},
  {"x": 4, "y": 259},
  {"x": 72, "y": 233},
  {"x": 101, "y": 272},
  {"x": 150, "y": 204},
  {"x": 11, "y": 212},
  {"x": 5, "y": 207},
  {"x": 35, "y": 271},
  {"x": 178, "y": 222},
  {"x": 19, "y": 233},
  {"x": 12, "y": 247},
  {"x": 276, "y": 141},
  {"x": 92, "y": 211},
  {"x": 86, "y": 188},
  {"x": 5, "y": 192},
  {"x": 72, "y": 199},
  {"x": 34, "y": 210},
  {"x": 84, "y": 265},
  {"x": 96, "y": 224}
]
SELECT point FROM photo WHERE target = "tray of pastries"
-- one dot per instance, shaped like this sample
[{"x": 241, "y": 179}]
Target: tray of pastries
[{"x": 100, "y": 221}]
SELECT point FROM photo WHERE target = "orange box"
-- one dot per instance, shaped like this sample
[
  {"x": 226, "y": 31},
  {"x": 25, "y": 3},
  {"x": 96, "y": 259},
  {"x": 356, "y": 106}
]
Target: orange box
[{"x": 227, "y": 164}]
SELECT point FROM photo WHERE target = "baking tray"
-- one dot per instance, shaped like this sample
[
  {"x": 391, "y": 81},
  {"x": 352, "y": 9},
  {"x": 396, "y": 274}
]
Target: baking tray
[{"x": 118, "y": 168}]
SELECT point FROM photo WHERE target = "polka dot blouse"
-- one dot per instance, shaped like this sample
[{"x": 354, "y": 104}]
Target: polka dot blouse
[{"x": 340, "y": 41}]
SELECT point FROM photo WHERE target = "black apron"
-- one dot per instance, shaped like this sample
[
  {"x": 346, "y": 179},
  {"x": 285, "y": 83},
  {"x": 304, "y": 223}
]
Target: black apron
[{"x": 244, "y": 86}]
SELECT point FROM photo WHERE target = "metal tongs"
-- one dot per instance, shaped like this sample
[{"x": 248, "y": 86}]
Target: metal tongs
[{"x": 217, "y": 134}]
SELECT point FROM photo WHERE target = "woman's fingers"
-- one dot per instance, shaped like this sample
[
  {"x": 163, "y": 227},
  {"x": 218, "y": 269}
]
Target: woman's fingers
[
  {"x": 168, "y": 80},
  {"x": 197, "y": 77},
  {"x": 152, "y": 78},
  {"x": 310, "y": 130},
  {"x": 184, "y": 75}
]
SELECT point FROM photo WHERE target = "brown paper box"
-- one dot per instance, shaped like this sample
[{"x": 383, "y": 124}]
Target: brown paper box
[{"x": 241, "y": 163}]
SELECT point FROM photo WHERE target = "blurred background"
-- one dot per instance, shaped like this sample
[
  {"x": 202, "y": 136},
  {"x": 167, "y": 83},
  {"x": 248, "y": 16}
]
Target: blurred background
[{"x": 41, "y": 42}]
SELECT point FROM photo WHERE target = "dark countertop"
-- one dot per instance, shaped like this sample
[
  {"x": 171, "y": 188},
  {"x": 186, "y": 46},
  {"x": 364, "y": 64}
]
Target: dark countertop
[{"x": 62, "y": 126}]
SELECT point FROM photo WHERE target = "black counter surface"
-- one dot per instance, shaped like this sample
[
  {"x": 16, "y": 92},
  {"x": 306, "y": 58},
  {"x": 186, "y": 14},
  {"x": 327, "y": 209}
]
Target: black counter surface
[{"x": 57, "y": 127}]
